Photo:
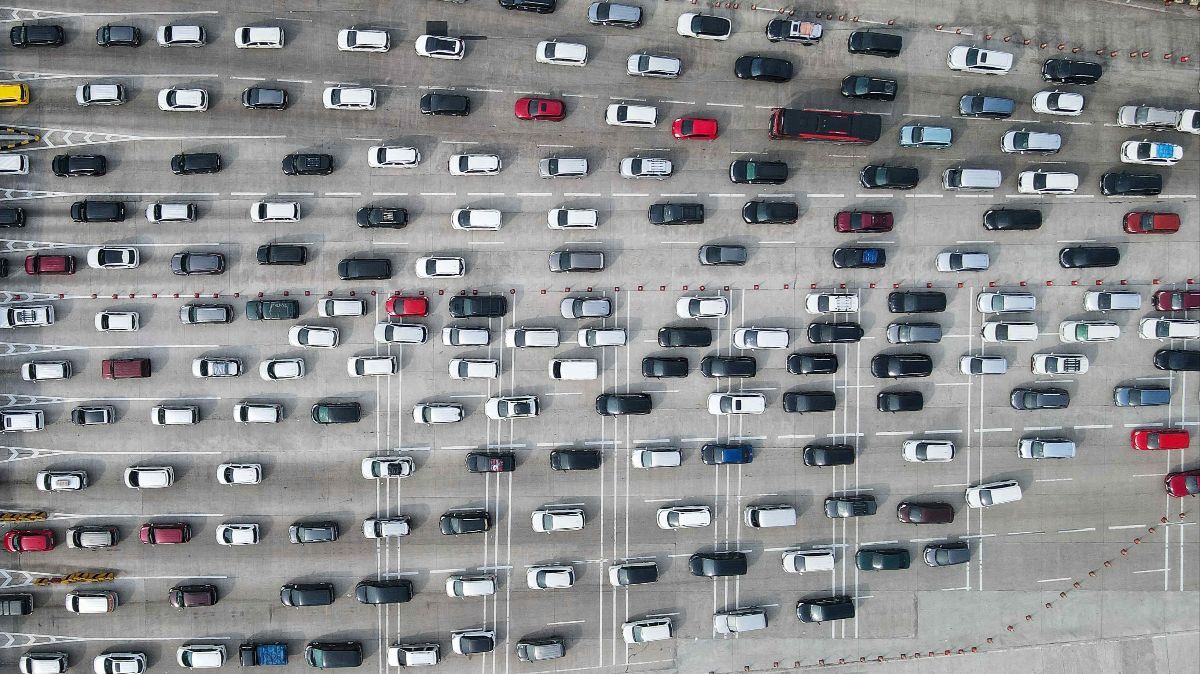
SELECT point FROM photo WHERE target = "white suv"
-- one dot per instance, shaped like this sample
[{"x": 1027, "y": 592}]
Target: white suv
[
  {"x": 650, "y": 65},
  {"x": 275, "y": 211},
  {"x": 1047, "y": 182},
  {"x": 620, "y": 114},
  {"x": 349, "y": 98},
  {"x": 258, "y": 37},
  {"x": 387, "y": 156},
  {"x": 474, "y": 165},
  {"x": 356, "y": 39},
  {"x": 646, "y": 167},
  {"x": 830, "y": 303},
  {"x": 561, "y": 53}
]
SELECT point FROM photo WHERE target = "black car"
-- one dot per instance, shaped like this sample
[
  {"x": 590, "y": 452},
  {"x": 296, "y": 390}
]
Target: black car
[
  {"x": 575, "y": 459},
  {"x": 1117, "y": 183},
  {"x": 74, "y": 165},
  {"x": 802, "y": 402},
  {"x": 313, "y": 532},
  {"x": 714, "y": 255},
  {"x": 828, "y": 455},
  {"x": 900, "y": 401},
  {"x": 754, "y": 172},
  {"x": 728, "y": 366},
  {"x": 491, "y": 462},
  {"x": 881, "y": 177},
  {"x": 12, "y": 216},
  {"x": 834, "y": 333},
  {"x": 947, "y": 554},
  {"x": 617, "y": 404},
  {"x": 37, "y": 35},
  {"x": 824, "y": 609},
  {"x": 636, "y": 573},
  {"x": 109, "y": 35},
  {"x": 282, "y": 253},
  {"x": 336, "y": 413},
  {"x": 707, "y": 25},
  {"x": 307, "y": 164},
  {"x": 770, "y": 212},
  {"x": 478, "y": 306},
  {"x": 1012, "y": 219},
  {"x": 538, "y": 6},
  {"x": 195, "y": 163},
  {"x": 365, "y": 269},
  {"x": 852, "y": 257},
  {"x": 261, "y": 98},
  {"x": 1070, "y": 71},
  {"x": 306, "y": 594},
  {"x": 379, "y": 216},
  {"x": 1039, "y": 398},
  {"x": 98, "y": 211},
  {"x": 870, "y": 88},
  {"x": 453, "y": 105},
  {"x": 456, "y": 522},
  {"x": 658, "y": 366},
  {"x": 901, "y": 365},
  {"x": 886, "y": 45},
  {"x": 188, "y": 264},
  {"x": 717, "y": 564},
  {"x": 389, "y": 591},
  {"x": 90, "y": 416},
  {"x": 882, "y": 559},
  {"x": 272, "y": 310},
  {"x": 1178, "y": 360},
  {"x": 720, "y": 455},
  {"x": 762, "y": 69},
  {"x": 333, "y": 654},
  {"x": 991, "y": 107},
  {"x": 670, "y": 213},
  {"x": 850, "y": 506},
  {"x": 690, "y": 336},
  {"x": 916, "y": 301},
  {"x": 812, "y": 363},
  {"x": 1082, "y": 257}
]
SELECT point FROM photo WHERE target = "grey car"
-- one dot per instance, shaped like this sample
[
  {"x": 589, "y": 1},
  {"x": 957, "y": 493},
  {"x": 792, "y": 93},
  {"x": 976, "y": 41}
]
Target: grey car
[
  {"x": 947, "y": 554},
  {"x": 1039, "y": 398},
  {"x": 535, "y": 650},
  {"x": 576, "y": 260},
  {"x": 195, "y": 314},
  {"x": 914, "y": 333},
  {"x": 189, "y": 264},
  {"x": 1141, "y": 396},
  {"x": 614, "y": 14}
]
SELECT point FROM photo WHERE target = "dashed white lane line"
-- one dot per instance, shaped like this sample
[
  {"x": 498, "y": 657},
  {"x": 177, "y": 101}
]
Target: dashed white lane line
[
  {"x": 725, "y": 105},
  {"x": 296, "y": 194},
  {"x": 296, "y": 81},
  {"x": 248, "y": 79},
  {"x": 1052, "y": 580},
  {"x": 1076, "y": 531},
  {"x": 1043, "y": 428},
  {"x": 945, "y": 431},
  {"x": 993, "y": 430},
  {"x": 679, "y": 102},
  {"x": 894, "y": 433},
  {"x": 826, "y": 196},
  {"x": 727, "y": 195},
  {"x": 626, "y": 194},
  {"x": 1126, "y": 526},
  {"x": 1164, "y": 570},
  {"x": 923, "y": 196},
  {"x": 954, "y": 484},
  {"x": 1087, "y": 426},
  {"x": 795, "y": 436},
  {"x": 389, "y": 194},
  {"x": 977, "y": 536},
  {"x": 875, "y": 196},
  {"x": 677, "y": 194},
  {"x": 1025, "y": 533},
  {"x": 247, "y": 194},
  {"x": 566, "y": 622},
  {"x": 343, "y": 194},
  {"x": 1056, "y": 479},
  {"x": 914, "y": 114},
  {"x": 581, "y": 194}
]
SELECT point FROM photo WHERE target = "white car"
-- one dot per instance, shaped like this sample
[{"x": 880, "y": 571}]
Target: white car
[
  {"x": 983, "y": 365},
  {"x": 1059, "y": 363},
  {"x": 653, "y": 65},
  {"x": 359, "y": 39},
  {"x": 999, "y": 302},
  {"x": 483, "y": 585},
  {"x": 1047, "y": 182},
  {"x": 182, "y": 100},
  {"x": 761, "y": 338},
  {"x": 1154, "y": 154},
  {"x": 313, "y": 336},
  {"x": 1168, "y": 328},
  {"x": 331, "y": 307},
  {"x": 174, "y": 415},
  {"x": 122, "y": 257},
  {"x": 149, "y": 477},
  {"x": 736, "y": 403},
  {"x": 1088, "y": 331},
  {"x": 119, "y": 663},
  {"x": 274, "y": 211},
  {"x": 993, "y": 493},
  {"x": 117, "y": 321},
  {"x": 1189, "y": 122},
  {"x": 1022, "y": 141},
  {"x": 216, "y": 367},
  {"x": 440, "y": 267},
  {"x": 384, "y": 467},
  {"x": 558, "y": 53},
  {"x": 181, "y": 36},
  {"x": 257, "y": 413},
  {"x": 696, "y": 306},
  {"x": 1009, "y": 331},
  {"x": 585, "y": 307},
  {"x": 200, "y": 656},
  {"x": 1111, "y": 300},
  {"x": 170, "y": 212},
  {"x": 1058, "y": 103},
  {"x": 46, "y": 370},
  {"x": 469, "y": 219},
  {"x": 388, "y": 156},
  {"x": 808, "y": 561},
  {"x": 385, "y": 527},
  {"x": 372, "y": 366},
  {"x": 550, "y": 577},
  {"x": 546, "y": 520},
  {"x": 962, "y": 262},
  {"x": 683, "y": 517},
  {"x": 276, "y": 369},
  {"x": 600, "y": 337},
  {"x": 646, "y": 167},
  {"x": 237, "y": 534},
  {"x": 349, "y": 98},
  {"x": 99, "y": 94},
  {"x": 831, "y": 303},
  {"x": 474, "y": 164},
  {"x": 61, "y": 480},
  {"x": 466, "y": 336},
  {"x": 400, "y": 333},
  {"x": 976, "y": 60},
  {"x": 571, "y": 218},
  {"x": 474, "y": 368},
  {"x": 258, "y": 37},
  {"x": 927, "y": 451},
  {"x": 437, "y": 413},
  {"x": 511, "y": 407},
  {"x": 458, "y": 637},
  {"x": 656, "y": 457},
  {"x": 621, "y": 114},
  {"x": 703, "y": 26},
  {"x": 441, "y": 47},
  {"x": 239, "y": 473}
]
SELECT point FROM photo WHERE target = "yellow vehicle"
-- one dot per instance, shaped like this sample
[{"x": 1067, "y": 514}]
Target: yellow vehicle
[{"x": 13, "y": 93}]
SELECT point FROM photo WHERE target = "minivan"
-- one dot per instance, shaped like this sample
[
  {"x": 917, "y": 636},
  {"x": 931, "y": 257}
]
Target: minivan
[
  {"x": 614, "y": 14},
  {"x": 1104, "y": 300},
  {"x": 98, "y": 211},
  {"x": 13, "y": 164},
  {"x": 530, "y": 337},
  {"x": 101, "y": 601},
  {"x": 571, "y": 218},
  {"x": 171, "y": 213},
  {"x": 125, "y": 368},
  {"x": 1009, "y": 331},
  {"x": 574, "y": 369},
  {"x": 1046, "y": 448},
  {"x": 970, "y": 179},
  {"x": 563, "y": 167},
  {"x": 765, "y": 516},
  {"x": 365, "y": 269},
  {"x": 740, "y": 620},
  {"x": 651, "y": 65},
  {"x": 993, "y": 493}
]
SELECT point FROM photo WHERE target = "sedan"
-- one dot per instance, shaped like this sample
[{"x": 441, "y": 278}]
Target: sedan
[
  {"x": 550, "y": 577},
  {"x": 1154, "y": 154},
  {"x": 1149, "y": 222},
  {"x": 1081, "y": 257},
  {"x": 885, "y": 559},
  {"x": 828, "y": 455},
  {"x": 1058, "y": 103},
  {"x": 457, "y": 522},
  {"x": 260, "y": 98},
  {"x": 855, "y": 222},
  {"x": 336, "y": 413},
  {"x": 726, "y": 366},
  {"x": 93, "y": 416},
  {"x": 491, "y": 462},
  {"x": 901, "y": 365},
  {"x": 483, "y": 585},
  {"x": 192, "y": 264},
  {"x": 722, "y": 255},
  {"x": 511, "y": 407},
  {"x": 812, "y": 363},
  {"x": 900, "y": 401},
  {"x": 306, "y": 594},
  {"x": 928, "y": 451},
  {"x": 239, "y": 473},
  {"x": 802, "y": 402},
  {"x": 384, "y": 591},
  {"x": 1023, "y": 398},
  {"x": 175, "y": 533},
  {"x": 585, "y": 307},
  {"x": 29, "y": 540},
  {"x": 440, "y": 267},
  {"x": 119, "y": 663},
  {"x": 113, "y": 258},
  {"x": 313, "y": 336},
  {"x": 947, "y": 554},
  {"x": 762, "y": 69},
  {"x": 694, "y": 128},
  {"x": 237, "y": 534},
  {"x": 441, "y": 47},
  {"x": 540, "y": 109},
  {"x": 937, "y": 512},
  {"x": 683, "y": 517},
  {"x": 680, "y": 336},
  {"x": 949, "y": 262},
  {"x": 386, "y": 156},
  {"x": 717, "y": 564},
  {"x": 871, "y": 88}
]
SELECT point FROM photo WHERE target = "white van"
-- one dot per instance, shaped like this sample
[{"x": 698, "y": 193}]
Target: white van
[
  {"x": 530, "y": 337},
  {"x": 993, "y": 493},
  {"x": 558, "y": 53},
  {"x": 766, "y": 516},
  {"x": 275, "y": 211},
  {"x": 1009, "y": 331},
  {"x": 82, "y": 601},
  {"x": 171, "y": 213},
  {"x": 601, "y": 337},
  {"x": 571, "y": 218},
  {"x": 574, "y": 369},
  {"x": 349, "y": 98},
  {"x": 745, "y": 619},
  {"x": 970, "y": 179},
  {"x": 1108, "y": 300},
  {"x": 808, "y": 561},
  {"x": 563, "y": 167},
  {"x": 258, "y": 37},
  {"x": 12, "y": 164},
  {"x": 165, "y": 415}
]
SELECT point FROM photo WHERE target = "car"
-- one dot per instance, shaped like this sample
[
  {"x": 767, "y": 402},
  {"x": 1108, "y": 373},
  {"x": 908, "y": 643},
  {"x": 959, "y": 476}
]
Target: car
[
  {"x": 511, "y": 407},
  {"x": 694, "y": 128},
  {"x": 563, "y": 167},
  {"x": 1176, "y": 300},
  {"x": 440, "y": 267},
  {"x": 384, "y": 591},
  {"x": 919, "y": 135},
  {"x": 112, "y": 258},
  {"x": 914, "y": 333},
  {"x": 22, "y": 421},
  {"x": 935, "y": 512},
  {"x": 258, "y": 37},
  {"x": 762, "y": 69},
  {"x": 216, "y": 367},
  {"x": 12, "y": 216},
  {"x": 483, "y": 585},
  {"x": 182, "y": 100},
  {"x": 976, "y": 60},
  {"x": 110, "y": 35},
  {"x": 808, "y": 561},
  {"x": 274, "y": 211},
  {"x": 999, "y": 302},
  {"x": 654, "y": 65},
  {"x": 42, "y": 662},
  {"x": 473, "y": 368},
  {"x": 699, "y": 306},
  {"x": 537, "y": 650},
  {"x": 449, "y": 105},
  {"x": 386, "y": 527},
  {"x": 899, "y": 401},
  {"x": 272, "y": 310},
  {"x": 1012, "y": 219},
  {"x": 476, "y": 219},
  {"x": 722, "y": 255},
  {"x": 1042, "y": 398},
  {"x": 174, "y": 533},
  {"x": 76, "y": 165},
  {"x": 717, "y": 455},
  {"x": 257, "y": 413},
  {"x": 683, "y": 517},
  {"x": 195, "y": 163},
  {"x": 349, "y": 98},
  {"x": 671, "y": 213},
  {"x": 703, "y": 26},
  {"x": 947, "y": 554},
  {"x": 576, "y": 260},
  {"x": 614, "y": 14},
  {"x": 196, "y": 263},
  {"x": 239, "y": 473},
  {"x": 571, "y": 218},
  {"x": 441, "y": 47},
  {"x": 1116, "y": 183},
  {"x": 336, "y": 413},
  {"x": 756, "y": 172},
  {"x": 916, "y": 301},
  {"x": 863, "y": 222},
  {"x": 1088, "y": 331},
  {"x": 119, "y": 663},
  {"x": 736, "y": 403},
  {"x": 46, "y": 370},
  {"x": 659, "y": 367},
  {"x": 993, "y": 493},
  {"x": 303, "y": 533},
  {"x": 803, "y": 402},
  {"x": 987, "y": 107},
  {"x": 812, "y": 363},
  {"x": 1185, "y": 483},
  {"x": 26, "y": 315},
  {"x": 478, "y": 306},
  {"x": 181, "y": 36},
  {"x": 547, "y": 520},
  {"x": 1154, "y": 154},
  {"x": 870, "y": 88},
  {"x": 29, "y": 540},
  {"x": 1147, "y": 439},
  {"x": 307, "y": 164},
  {"x": 1030, "y": 142},
  {"x": 540, "y": 109},
  {"x": 841, "y": 332},
  {"x": 474, "y": 165},
  {"x": 278, "y": 369},
  {"x": 806, "y": 33},
  {"x": 61, "y": 480},
  {"x": 1045, "y": 448},
  {"x": 927, "y": 451},
  {"x": 1168, "y": 328},
  {"x": 1070, "y": 71},
  {"x": 853, "y": 257},
  {"x": 529, "y": 337},
  {"x": 458, "y": 522},
  {"x": 1177, "y": 360},
  {"x": 770, "y": 212},
  {"x": 656, "y": 457},
  {"x": 761, "y": 338},
  {"x": 49, "y": 264},
  {"x": 723, "y": 366},
  {"x": 387, "y": 156},
  {"x": 879, "y": 176},
  {"x": 969, "y": 261},
  {"x": 197, "y": 314},
  {"x": 25, "y": 35},
  {"x": 470, "y": 642},
  {"x": 99, "y": 94},
  {"x": 437, "y": 413},
  {"x": 850, "y": 506},
  {"x": 655, "y": 168},
  {"x": 372, "y": 366},
  {"x": 828, "y": 455},
  {"x": 825, "y": 609},
  {"x": 380, "y": 216},
  {"x": 558, "y": 53},
  {"x": 1059, "y": 363},
  {"x": 901, "y": 365},
  {"x": 869, "y": 42},
  {"x": 363, "y": 39},
  {"x": 1189, "y": 121},
  {"x": 618, "y": 404},
  {"x": 575, "y": 459},
  {"x": 149, "y": 477},
  {"x": 237, "y": 534},
  {"x": 365, "y": 269},
  {"x": 313, "y": 336},
  {"x": 1147, "y": 117},
  {"x": 1058, "y": 103},
  {"x": 491, "y": 462},
  {"x": 1149, "y": 222},
  {"x": 623, "y": 114},
  {"x": 172, "y": 415},
  {"x": 717, "y": 564},
  {"x": 306, "y": 594},
  {"x": 881, "y": 559}
]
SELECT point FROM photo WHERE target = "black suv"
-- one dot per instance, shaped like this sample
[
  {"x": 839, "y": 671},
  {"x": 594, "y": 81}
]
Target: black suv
[
  {"x": 675, "y": 214},
  {"x": 1012, "y": 219},
  {"x": 575, "y": 459},
  {"x": 770, "y": 212},
  {"x": 1117, "y": 183},
  {"x": 717, "y": 564},
  {"x": 1039, "y": 398},
  {"x": 1177, "y": 360},
  {"x": 728, "y": 366},
  {"x": 916, "y": 301},
  {"x": 98, "y": 211},
  {"x": 900, "y": 401},
  {"x": 195, "y": 163},
  {"x": 336, "y": 413},
  {"x": 301, "y": 164},
  {"x": 834, "y": 333},
  {"x": 886, "y": 45},
  {"x": 659, "y": 366},
  {"x": 538, "y": 6},
  {"x": 690, "y": 336},
  {"x": 12, "y": 216},
  {"x": 456, "y": 522},
  {"x": 901, "y": 365},
  {"x": 365, "y": 269},
  {"x": 73, "y": 165},
  {"x": 37, "y": 35},
  {"x": 754, "y": 172},
  {"x": 1069, "y": 71},
  {"x": 453, "y": 105},
  {"x": 879, "y": 176},
  {"x": 1083, "y": 257},
  {"x": 992, "y": 107},
  {"x": 619, "y": 404},
  {"x": 809, "y": 401},
  {"x": 118, "y": 36},
  {"x": 812, "y": 363},
  {"x": 282, "y": 253},
  {"x": 478, "y": 306},
  {"x": 828, "y": 455},
  {"x": 260, "y": 98},
  {"x": 379, "y": 216}
]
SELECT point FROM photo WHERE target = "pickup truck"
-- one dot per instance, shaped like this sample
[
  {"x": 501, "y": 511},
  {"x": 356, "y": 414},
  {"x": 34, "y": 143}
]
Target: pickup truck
[
  {"x": 1059, "y": 363},
  {"x": 26, "y": 315},
  {"x": 255, "y": 654}
]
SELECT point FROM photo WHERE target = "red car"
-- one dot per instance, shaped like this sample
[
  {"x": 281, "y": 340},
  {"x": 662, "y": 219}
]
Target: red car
[
  {"x": 1159, "y": 438},
  {"x": 29, "y": 540},
  {"x": 548, "y": 109},
  {"x": 694, "y": 128},
  {"x": 49, "y": 264},
  {"x": 1146, "y": 222},
  {"x": 401, "y": 305},
  {"x": 1183, "y": 484},
  {"x": 863, "y": 221},
  {"x": 165, "y": 534},
  {"x": 1176, "y": 300}
]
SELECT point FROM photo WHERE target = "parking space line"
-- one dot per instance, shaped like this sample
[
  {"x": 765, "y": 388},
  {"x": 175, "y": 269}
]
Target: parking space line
[
  {"x": 1025, "y": 533},
  {"x": 1052, "y": 580},
  {"x": 1056, "y": 479},
  {"x": 1076, "y": 531},
  {"x": 953, "y": 484},
  {"x": 977, "y": 536},
  {"x": 1126, "y": 526}
]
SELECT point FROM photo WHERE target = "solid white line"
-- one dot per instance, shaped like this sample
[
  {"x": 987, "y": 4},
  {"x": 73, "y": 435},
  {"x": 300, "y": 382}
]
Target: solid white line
[
  {"x": 343, "y": 194},
  {"x": 977, "y": 535},
  {"x": 566, "y": 622},
  {"x": 879, "y": 542},
  {"x": 1092, "y": 426},
  {"x": 946, "y": 431},
  {"x": 1153, "y": 570},
  {"x": 725, "y": 105},
  {"x": 1052, "y": 580},
  {"x": 1056, "y": 479},
  {"x": 826, "y": 196},
  {"x": 993, "y": 430},
  {"x": 894, "y": 433},
  {"x": 1025, "y": 533},
  {"x": 447, "y": 570},
  {"x": 795, "y": 436},
  {"x": 955, "y": 484},
  {"x": 1043, "y": 428}
]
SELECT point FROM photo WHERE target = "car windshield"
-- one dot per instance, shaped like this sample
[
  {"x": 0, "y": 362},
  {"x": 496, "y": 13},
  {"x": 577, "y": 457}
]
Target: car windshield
[
  {"x": 686, "y": 127},
  {"x": 862, "y": 85},
  {"x": 985, "y": 497},
  {"x": 1191, "y": 484}
]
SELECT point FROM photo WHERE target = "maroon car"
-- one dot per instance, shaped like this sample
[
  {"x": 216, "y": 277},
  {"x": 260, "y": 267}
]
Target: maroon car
[
  {"x": 853, "y": 222},
  {"x": 935, "y": 512},
  {"x": 165, "y": 534},
  {"x": 49, "y": 264},
  {"x": 189, "y": 596},
  {"x": 1176, "y": 300}
]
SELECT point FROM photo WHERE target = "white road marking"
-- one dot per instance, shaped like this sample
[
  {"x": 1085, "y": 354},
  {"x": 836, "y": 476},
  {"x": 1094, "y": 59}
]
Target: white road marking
[
  {"x": 725, "y": 105},
  {"x": 1087, "y": 426},
  {"x": 1126, "y": 526},
  {"x": 1056, "y": 479},
  {"x": 1164, "y": 570},
  {"x": 1076, "y": 531},
  {"x": 1052, "y": 580}
]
